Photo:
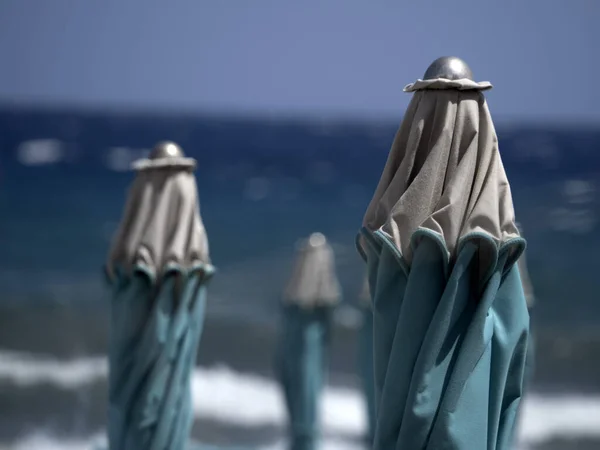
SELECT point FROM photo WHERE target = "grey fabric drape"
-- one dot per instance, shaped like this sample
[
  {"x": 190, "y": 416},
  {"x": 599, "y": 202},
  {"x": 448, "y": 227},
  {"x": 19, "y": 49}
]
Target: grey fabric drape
[
  {"x": 444, "y": 172},
  {"x": 314, "y": 280}
]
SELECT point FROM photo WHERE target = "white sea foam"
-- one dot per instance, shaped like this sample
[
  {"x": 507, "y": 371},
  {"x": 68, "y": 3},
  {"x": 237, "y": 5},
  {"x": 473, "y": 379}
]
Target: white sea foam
[
  {"x": 250, "y": 401},
  {"x": 219, "y": 391},
  {"x": 41, "y": 440},
  {"x": 38, "y": 152},
  {"x": 24, "y": 369},
  {"x": 44, "y": 441}
]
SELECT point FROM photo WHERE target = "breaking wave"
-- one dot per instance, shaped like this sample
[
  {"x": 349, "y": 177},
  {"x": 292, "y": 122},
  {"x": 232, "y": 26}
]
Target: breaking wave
[{"x": 251, "y": 401}]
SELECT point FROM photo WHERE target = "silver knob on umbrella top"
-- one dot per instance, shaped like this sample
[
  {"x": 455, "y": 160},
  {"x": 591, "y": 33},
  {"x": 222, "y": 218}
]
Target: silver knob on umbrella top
[
  {"x": 166, "y": 149},
  {"x": 448, "y": 67}
]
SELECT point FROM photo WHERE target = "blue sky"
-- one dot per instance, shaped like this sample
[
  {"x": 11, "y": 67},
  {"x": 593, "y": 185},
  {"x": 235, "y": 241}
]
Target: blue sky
[{"x": 326, "y": 57}]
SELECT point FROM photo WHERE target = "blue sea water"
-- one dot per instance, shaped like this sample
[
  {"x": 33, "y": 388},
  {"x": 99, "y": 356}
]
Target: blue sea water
[{"x": 263, "y": 184}]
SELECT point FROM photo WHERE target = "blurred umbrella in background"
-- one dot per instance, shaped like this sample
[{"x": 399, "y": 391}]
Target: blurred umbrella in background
[
  {"x": 365, "y": 357},
  {"x": 308, "y": 303},
  {"x": 440, "y": 242},
  {"x": 158, "y": 268}
]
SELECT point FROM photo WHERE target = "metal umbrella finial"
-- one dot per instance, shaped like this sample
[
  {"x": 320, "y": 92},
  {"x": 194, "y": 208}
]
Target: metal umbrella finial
[
  {"x": 448, "y": 67},
  {"x": 166, "y": 149},
  {"x": 317, "y": 239}
]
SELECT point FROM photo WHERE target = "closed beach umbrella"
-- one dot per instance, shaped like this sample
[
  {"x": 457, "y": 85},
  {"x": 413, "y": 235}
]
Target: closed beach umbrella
[
  {"x": 365, "y": 357},
  {"x": 158, "y": 268},
  {"x": 441, "y": 245},
  {"x": 308, "y": 303}
]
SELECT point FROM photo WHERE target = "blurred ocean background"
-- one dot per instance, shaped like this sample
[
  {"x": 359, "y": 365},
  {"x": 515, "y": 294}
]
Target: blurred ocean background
[
  {"x": 290, "y": 109},
  {"x": 263, "y": 184}
]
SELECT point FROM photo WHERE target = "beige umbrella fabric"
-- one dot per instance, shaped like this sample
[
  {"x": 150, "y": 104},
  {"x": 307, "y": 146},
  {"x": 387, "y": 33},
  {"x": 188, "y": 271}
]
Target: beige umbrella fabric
[
  {"x": 161, "y": 225},
  {"x": 314, "y": 279},
  {"x": 444, "y": 172}
]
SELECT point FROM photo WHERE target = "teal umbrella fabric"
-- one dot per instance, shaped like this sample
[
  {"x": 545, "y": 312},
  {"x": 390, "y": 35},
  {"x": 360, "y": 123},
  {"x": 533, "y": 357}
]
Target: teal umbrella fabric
[
  {"x": 450, "y": 350},
  {"x": 302, "y": 369},
  {"x": 440, "y": 242},
  {"x": 154, "y": 337},
  {"x": 158, "y": 270},
  {"x": 530, "y": 298},
  {"x": 303, "y": 349}
]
